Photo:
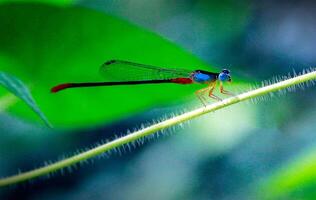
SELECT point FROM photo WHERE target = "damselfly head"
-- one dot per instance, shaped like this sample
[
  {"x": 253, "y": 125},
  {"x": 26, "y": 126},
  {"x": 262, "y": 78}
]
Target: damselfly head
[{"x": 225, "y": 76}]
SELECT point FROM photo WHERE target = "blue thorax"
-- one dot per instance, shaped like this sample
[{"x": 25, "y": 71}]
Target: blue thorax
[{"x": 200, "y": 77}]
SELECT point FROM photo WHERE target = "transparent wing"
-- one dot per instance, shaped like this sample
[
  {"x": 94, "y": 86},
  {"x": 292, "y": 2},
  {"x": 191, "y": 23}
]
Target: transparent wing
[{"x": 119, "y": 70}]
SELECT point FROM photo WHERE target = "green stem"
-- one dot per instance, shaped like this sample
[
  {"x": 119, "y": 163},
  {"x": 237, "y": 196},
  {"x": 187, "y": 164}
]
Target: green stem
[{"x": 154, "y": 128}]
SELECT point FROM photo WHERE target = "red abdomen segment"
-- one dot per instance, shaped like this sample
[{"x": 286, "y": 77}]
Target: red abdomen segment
[
  {"x": 182, "y": 80},
  {"x": 61, "y": 87},
  {"x": 95, "y": 84}
]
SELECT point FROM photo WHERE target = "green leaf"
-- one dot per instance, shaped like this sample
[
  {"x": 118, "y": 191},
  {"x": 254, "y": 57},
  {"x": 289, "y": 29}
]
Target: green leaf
[
  {"x": 18, "y": 88},
  {"x": 55, "y": 45},
  {"x": 297, "y": 179},
  {"x": 56, "y": 2}
]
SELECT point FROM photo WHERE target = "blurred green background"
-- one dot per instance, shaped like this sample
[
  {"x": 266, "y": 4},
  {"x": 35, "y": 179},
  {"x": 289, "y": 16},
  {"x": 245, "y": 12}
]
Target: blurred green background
[{"x": 262, "y": 150}]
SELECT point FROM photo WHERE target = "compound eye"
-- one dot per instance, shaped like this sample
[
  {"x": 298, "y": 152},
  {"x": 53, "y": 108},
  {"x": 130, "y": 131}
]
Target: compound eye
[{"x": 225, "y": 71}]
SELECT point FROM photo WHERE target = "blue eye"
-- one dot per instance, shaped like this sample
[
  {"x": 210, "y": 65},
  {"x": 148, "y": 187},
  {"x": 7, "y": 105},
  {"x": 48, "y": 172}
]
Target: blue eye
[
  {"x": 225, "y": 71},
  {"x": 224, "y": 77}
]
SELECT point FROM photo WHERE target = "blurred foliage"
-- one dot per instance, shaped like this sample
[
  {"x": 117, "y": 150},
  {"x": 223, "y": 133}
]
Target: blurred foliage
[
  {"x": 19, "y": 89},
  {"x": 228, "y": 18},
  {"x": 53, "y": 45},
  {"x": 56, "y": 2},
  {"x": 294, "y": 180}
]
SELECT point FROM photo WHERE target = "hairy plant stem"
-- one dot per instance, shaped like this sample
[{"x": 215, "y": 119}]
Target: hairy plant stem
[{"x": 154, "y": 128}]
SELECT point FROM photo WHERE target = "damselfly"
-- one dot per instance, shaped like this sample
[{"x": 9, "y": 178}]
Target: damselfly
[{"x": 120, "y": 72}]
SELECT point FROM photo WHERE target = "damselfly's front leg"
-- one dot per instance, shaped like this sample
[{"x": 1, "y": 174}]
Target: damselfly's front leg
[{"x": 225, "y": 91}]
